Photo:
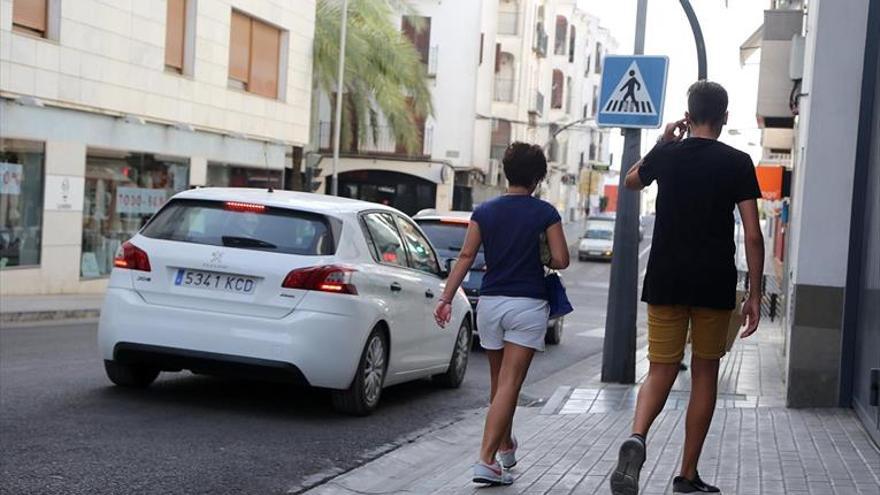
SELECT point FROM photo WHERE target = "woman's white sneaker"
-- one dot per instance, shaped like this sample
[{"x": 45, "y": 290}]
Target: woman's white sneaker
[
  {"x": 491, "y": 474},
  {"x": 508, "y": 457}
]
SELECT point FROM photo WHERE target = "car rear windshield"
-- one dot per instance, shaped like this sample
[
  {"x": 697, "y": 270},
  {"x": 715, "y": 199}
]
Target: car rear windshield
[
  {"x": 244, "y": 226},
  {"x": 445, "y": 235},
  {"x": 599, "y": 234}
]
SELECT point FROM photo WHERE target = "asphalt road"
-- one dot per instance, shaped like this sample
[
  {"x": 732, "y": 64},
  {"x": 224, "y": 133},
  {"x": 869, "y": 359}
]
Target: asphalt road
[{"x": 65, "y": 429}]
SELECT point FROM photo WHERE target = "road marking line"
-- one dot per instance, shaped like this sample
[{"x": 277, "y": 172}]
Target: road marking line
[{"x": 596, "y": 332}]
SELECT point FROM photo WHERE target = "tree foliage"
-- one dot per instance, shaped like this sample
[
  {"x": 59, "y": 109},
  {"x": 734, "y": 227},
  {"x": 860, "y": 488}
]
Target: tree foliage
[{"x": 383, "y": 71}]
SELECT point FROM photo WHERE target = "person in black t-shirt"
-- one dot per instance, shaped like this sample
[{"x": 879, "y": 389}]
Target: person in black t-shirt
[{"x": 691, "y": 277}]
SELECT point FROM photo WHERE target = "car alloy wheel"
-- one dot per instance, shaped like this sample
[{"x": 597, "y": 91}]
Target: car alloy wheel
[
  {"x": 374, "y": 370},
  {"x": 458, "y": 362},
  {"x": 362, "y": 396}
]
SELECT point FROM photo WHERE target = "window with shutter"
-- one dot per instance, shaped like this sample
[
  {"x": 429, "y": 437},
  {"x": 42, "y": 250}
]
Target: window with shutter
[
  {"x": 417, "y": 30},
  {"x": 240, "y": 48},
  {"x": 30, "y": 16},
  {"x": 561, "y": 35},
  {"x": 497, "y": 57},
  {"x": 557, "y": 89},
  {"x": 175, "y": 31},
  {"x": 254, "y": 55},
  {"x": 265, "y": 51}
]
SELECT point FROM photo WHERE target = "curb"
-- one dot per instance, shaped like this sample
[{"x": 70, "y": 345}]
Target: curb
[{"x": 49, "y": 315}]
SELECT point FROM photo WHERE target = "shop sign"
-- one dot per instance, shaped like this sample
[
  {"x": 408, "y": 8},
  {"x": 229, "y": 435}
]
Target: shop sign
[
  {"x": 139, "y": 201},
  {"x": 64, "y": 193},
  {"x": 10, "y": 178}
]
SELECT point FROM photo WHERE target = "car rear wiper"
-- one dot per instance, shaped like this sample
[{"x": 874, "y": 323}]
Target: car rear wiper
[{"x": 235, "y": 241}]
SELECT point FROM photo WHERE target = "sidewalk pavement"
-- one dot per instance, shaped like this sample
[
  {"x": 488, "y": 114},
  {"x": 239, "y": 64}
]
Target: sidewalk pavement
[
  {"x": 26, "y": 309},
  {"x": 569, "y": 446}
]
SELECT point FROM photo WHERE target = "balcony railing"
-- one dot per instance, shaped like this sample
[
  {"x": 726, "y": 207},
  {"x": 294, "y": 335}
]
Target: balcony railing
[
  {"x": 432, "y": 61},
  {"x": 504, "y": 89},
  {"x": 508, "y": 23},
  {"x": 377, "y": 141},
  {"x": 537, "y": 104}
]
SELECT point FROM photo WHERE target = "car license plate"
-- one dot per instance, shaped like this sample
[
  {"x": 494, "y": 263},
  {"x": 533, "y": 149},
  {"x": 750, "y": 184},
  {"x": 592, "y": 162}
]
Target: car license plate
[{"x": 225, "y": 282}]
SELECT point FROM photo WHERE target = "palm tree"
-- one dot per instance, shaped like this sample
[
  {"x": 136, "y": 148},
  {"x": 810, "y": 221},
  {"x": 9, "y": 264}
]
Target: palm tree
[{"x": 383, "y": 71}]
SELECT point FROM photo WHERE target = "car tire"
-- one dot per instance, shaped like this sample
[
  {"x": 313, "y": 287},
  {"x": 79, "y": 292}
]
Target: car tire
[
  {"x": 554, "y": 333},
  {"x": 582, "y": 258},
  {"x": 458, "y": 362},
  {"x": 130, "y": 375},
  {"x": 362, "y": 397}
]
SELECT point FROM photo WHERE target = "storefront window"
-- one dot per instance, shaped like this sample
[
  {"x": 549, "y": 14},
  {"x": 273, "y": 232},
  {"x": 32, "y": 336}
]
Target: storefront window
[
  {"x": 223, "y": 175},
  {"x": 21, "y": 202},
  {"x": 123, "y": 190}
]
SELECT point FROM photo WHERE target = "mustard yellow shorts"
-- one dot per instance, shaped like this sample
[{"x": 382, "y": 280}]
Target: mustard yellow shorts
[{"x": 668, "y": 330}]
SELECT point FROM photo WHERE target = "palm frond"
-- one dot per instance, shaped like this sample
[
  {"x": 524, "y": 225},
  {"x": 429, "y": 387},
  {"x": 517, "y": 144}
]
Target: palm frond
[{"x": 383, "y": 70}]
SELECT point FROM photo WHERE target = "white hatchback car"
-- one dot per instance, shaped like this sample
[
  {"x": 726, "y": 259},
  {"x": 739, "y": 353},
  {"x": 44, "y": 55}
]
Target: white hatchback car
[{"x": 313, "y": 289}]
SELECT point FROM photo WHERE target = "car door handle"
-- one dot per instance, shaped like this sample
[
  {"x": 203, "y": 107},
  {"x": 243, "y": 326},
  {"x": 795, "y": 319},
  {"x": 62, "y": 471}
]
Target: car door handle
[
  {"x": 429, "y": 294},
  {"x": 395, "y": 287}
]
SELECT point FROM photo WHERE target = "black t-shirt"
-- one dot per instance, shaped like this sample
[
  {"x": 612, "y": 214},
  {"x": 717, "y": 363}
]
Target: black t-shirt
[{"x": 700, "y": 181}]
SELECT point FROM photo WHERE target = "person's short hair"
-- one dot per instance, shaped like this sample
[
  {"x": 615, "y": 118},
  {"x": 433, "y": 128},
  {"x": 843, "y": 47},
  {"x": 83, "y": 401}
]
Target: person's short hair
[
  {"x": 524, "y": 164},
  {"x": 707, "y": 103}
]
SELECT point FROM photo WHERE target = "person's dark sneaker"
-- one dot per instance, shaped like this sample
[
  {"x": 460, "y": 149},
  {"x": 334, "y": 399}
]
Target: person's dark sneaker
[
  {"x": 683, "y": 485},
  {"x": 625, "y": 478}
]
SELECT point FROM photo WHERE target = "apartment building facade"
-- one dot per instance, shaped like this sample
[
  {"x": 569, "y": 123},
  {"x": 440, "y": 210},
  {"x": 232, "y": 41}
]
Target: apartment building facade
[
  {"x": 545, "y": 92},
  {"x": 454, "y": 38},
  {"x": 108, "y": 108}
]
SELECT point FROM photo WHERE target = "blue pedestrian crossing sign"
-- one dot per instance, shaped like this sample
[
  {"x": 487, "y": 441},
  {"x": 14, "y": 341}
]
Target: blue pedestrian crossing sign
[{"x": 632, "y": 91}]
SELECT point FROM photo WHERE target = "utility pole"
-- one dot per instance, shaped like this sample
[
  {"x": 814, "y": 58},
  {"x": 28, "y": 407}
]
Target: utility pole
[
  {"x": 340, "y": 89},
  {"x": 619, "y": 347}
]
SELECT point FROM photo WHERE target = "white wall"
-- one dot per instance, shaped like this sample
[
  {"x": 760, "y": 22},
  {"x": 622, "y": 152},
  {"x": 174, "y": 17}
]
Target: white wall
[
  {"x": 823, "y": 171},
  {"x": 455, "y": 31},
  {"x": 110, "y": 55},
  {"x": 485, "y": 87}
]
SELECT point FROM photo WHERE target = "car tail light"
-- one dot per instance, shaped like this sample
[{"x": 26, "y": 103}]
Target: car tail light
[
  {"x": 132, "y": 257},
  {"x": 245, "y": 207},
  {"x": 328, "y": 278}
]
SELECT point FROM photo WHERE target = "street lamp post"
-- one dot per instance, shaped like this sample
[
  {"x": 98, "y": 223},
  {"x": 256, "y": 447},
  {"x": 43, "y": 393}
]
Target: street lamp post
[{"x": 337, "y": 128}]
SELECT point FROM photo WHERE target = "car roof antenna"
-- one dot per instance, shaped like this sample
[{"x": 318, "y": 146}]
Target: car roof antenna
[{"x": 266, "y": 161}]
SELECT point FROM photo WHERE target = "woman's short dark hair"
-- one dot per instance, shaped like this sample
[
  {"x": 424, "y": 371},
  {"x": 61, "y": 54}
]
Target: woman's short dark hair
[
  {"x": 524, "y": 164},
  {"x": 707, "y": 103}
]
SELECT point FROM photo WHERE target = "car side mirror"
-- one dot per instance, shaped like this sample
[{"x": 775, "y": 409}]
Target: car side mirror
[{"x": 447, "y": 266}]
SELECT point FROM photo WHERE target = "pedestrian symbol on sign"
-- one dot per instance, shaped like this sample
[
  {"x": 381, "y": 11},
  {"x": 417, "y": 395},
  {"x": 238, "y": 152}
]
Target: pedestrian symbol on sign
[{"x": 630, "y": 95}]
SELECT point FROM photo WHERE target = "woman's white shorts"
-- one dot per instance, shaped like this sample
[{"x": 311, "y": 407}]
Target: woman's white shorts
[{"x": 518, "y": 320}]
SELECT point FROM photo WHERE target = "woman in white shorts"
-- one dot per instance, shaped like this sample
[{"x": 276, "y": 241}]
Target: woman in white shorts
[{"x": 513, "y": 311}]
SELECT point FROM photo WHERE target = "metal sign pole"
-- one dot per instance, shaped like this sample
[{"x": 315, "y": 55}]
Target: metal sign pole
[{"x": 619, "y": 347}]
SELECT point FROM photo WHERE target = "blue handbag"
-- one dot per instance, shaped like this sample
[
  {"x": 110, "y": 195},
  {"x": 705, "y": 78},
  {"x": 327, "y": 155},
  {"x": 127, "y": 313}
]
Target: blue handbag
[{"x": 557, "y": 297}]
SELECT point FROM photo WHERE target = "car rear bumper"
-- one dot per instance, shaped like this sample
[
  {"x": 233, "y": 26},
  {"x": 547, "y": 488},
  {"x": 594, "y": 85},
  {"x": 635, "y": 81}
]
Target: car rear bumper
[
  {"x": 323, "y": 347},
  {"x": 209, "y": 363},
  {"x": 593, "y": 255}
]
